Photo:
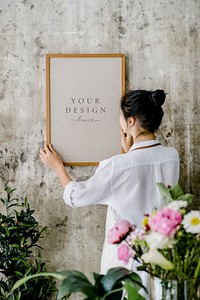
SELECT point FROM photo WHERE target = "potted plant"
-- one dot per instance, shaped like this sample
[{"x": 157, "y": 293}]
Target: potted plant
[
  {"x": 19, "y": 235},
  {"x": 105, "y": 287},
  {"x": 26, "y": 278},
  {"x": 167, "y": 246}
]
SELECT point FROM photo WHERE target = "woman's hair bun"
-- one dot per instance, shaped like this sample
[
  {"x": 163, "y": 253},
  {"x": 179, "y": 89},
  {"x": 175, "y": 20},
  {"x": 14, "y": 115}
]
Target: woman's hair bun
[{"x": 157, "y": 97}]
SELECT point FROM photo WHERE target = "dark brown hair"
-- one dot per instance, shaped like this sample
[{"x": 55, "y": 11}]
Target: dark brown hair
[{"x": 145, "y": 106}]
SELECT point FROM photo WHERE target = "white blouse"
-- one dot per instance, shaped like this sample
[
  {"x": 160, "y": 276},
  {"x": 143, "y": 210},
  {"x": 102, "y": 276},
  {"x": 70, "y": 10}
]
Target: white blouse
[{"x": 127, "y": 184}]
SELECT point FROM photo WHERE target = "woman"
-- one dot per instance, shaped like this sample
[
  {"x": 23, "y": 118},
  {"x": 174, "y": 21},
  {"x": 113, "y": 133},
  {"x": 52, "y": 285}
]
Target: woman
[{"x": 126, "y": 183}]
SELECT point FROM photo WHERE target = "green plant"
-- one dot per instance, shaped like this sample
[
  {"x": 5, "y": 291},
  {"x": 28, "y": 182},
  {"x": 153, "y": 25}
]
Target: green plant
[
  {"x": 27, "y": 279},
  {"x": 19, "y": 233},
  {"x": 105, "y": 287}
]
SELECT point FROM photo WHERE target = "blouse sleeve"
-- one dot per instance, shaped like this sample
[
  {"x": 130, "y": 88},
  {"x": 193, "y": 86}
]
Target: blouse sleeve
[{"x": 96, "y": 190}]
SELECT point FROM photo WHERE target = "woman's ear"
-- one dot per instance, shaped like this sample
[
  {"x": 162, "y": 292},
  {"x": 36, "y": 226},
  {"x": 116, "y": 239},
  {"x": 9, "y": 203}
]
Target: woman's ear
[{"x": 131, "y": 121}]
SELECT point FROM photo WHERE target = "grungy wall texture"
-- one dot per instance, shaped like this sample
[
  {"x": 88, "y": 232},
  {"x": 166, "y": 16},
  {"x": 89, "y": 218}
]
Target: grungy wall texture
[{"x": 161, "y": 42}]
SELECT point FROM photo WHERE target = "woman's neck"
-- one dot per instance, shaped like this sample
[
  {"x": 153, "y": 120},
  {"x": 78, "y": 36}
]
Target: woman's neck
[{"x": 144, "y": 136}]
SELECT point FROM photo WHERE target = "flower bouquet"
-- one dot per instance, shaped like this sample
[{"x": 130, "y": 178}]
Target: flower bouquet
[{"x": 167, "y": 245}]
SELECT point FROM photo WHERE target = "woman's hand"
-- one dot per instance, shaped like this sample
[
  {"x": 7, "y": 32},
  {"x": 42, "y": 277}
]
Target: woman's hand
[
  {"x": 50, "y": 157},
  {"x": 126, "y": 141}
]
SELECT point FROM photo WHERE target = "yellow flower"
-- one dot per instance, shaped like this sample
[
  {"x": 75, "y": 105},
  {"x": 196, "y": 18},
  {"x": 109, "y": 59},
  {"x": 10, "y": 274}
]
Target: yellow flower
[{"x": 145, "y": 221}]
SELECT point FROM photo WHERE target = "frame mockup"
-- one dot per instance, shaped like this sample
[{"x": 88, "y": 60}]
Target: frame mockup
[{"x": 83, "y": 93}]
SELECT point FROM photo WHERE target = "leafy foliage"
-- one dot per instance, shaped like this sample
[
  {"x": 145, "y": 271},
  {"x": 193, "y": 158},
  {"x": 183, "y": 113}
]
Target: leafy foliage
[
  {"x": 108, "y": 287},
  {"x": 174, "y": 193},
  {"x": 27, "y": 280},
  {"x": 19, "y": 233}
]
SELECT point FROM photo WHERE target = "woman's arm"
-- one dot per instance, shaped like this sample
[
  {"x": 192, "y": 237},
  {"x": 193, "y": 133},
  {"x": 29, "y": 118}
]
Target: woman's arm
[{"x": 51, "y": 159}]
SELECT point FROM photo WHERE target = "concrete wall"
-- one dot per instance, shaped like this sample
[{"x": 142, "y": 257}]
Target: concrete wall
[{"x": 161, "y": 42}]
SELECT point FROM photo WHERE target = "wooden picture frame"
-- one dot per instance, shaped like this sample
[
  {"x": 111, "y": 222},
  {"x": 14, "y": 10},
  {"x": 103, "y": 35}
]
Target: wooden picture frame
[{"x": 83, "y": 93}]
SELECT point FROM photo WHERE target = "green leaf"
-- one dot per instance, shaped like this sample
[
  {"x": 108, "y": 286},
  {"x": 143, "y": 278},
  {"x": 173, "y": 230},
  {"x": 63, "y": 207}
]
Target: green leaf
[
  {"x": 98, "y": 285},
  {"x": 27, "y": 271},
  {"x": 113, "y": 276},
  {"x": 63, "y": 293},
  {"x": 19, "y": 273},
  {"x": 9, "y": 190},
  {"x": 27, "y": 278},
  {"x": 136, "y": 281},
  {"x": 15, "y": 246},
  {"x": 97, "y": 277},
  {"x": 132, "y": 292},
  {"x": 26, "y": 202},
  {"x": 164, "y": 191},
  {"x": 14, "y": 204},
  {"x": 26, "y": 225},
  {"x": 186, "y": 197},
  {"x": 3, "y": 292},
  {"x": 12, "y": 227},
  {"x": 22, "y": 240},
  {"x": 197, "y": 271},
  {"x": 76, "y": 281},
  {"x": 14, "y": 258},
  {"x": 43, "y": 229},
  {"x": 176, "y": 191}
]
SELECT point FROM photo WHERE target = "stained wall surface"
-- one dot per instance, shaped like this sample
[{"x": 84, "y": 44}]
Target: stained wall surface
[{"x": 161, "y": 42}]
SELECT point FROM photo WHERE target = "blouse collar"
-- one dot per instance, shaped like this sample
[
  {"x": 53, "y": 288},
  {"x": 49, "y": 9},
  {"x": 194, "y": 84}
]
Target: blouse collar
[{"x": 143, "y": 144}]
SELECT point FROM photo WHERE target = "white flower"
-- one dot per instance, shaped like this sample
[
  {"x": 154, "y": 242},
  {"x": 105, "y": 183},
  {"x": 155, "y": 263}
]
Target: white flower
[
  {"x": 157, "y": 240},
  {"x": 177, "y": 204},
  {"x": 155, "y": 257},
  {"x": 191, "y": 221}
]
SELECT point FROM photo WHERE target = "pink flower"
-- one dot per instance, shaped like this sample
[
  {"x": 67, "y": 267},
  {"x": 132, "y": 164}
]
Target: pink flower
[
  {"x": 120, "y": 232},
  {"x": 166, "y": 221},
  {"x": 125, "y": 253}
]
